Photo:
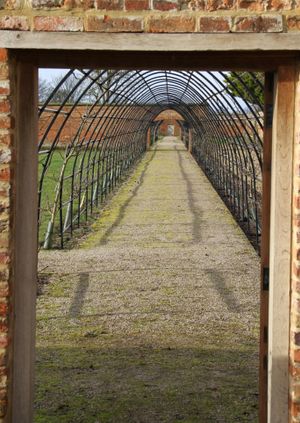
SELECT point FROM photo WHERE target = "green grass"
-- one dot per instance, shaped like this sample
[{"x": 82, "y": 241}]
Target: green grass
[
  {"x": 50, "y": 182},
  {"x": 50, "y": 185}
]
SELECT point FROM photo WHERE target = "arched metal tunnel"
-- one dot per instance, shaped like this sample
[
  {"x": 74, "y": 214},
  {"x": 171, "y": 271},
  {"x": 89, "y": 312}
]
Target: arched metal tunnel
[{"x": 96, "y": 124}]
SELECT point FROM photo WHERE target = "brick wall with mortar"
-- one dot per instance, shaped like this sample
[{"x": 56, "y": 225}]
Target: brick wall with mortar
[
  {"x": 137, "y": 16},
  {"x": 75, "y": 119},
  {"x": 169, "y": 127},
  {"x": 158, "y": 16},
  {"x": 169, "y": 117}
]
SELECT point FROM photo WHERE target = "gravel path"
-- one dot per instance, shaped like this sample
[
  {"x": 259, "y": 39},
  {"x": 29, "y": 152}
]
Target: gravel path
[{"x": 155, "y": 317}]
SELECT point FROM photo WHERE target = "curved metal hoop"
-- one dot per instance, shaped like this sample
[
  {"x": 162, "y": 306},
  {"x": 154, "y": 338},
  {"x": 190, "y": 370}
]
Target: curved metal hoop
[{"x": 99, "y": 128}]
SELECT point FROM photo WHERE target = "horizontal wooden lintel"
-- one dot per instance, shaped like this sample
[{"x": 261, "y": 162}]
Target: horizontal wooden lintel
[{"x": 151, "y": 42}]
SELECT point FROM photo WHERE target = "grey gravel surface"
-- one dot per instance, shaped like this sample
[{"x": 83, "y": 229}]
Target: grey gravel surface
[{"x": 166, "y": 278}]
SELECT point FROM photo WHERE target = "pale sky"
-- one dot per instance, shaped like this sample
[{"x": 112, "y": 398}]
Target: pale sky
[{"x": 48, "y": 74}]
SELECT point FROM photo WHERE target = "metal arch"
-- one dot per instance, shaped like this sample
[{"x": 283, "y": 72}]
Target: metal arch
[{"x": 111, "y": 134}]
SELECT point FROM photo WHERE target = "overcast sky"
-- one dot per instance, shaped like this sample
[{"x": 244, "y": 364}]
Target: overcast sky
[{"x": 48, "y": 74}]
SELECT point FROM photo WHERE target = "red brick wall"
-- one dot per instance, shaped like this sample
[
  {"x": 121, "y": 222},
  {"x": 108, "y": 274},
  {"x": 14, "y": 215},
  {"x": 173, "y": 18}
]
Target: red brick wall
[
  {"x": 164, "y": 128},
  {"x": 169, "y": 117},
  {"x": 151, "y": 15},
  {"x": 76, "y": 118}
]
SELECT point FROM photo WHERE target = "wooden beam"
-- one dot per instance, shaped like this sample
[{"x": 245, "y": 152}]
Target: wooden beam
[
  {"x": 265, "y": 247},
  {"x": 25, "y": 242},
  {"x": 150, "y": 42},
  {"x": 217, "y": 60},
  {"x": 148, "y": 146},
  {"x": 190, "y": 145},
  {"x": 280, "y": 245}
]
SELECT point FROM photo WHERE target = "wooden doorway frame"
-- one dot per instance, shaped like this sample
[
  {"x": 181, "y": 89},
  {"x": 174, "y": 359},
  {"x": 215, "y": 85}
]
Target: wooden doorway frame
[{"x": 276, "y": 255}]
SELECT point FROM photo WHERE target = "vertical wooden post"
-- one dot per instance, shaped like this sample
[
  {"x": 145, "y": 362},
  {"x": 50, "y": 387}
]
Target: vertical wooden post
[
  {"x": 149, "y": 139},
  {"x": 190, "y": 146},
  {"x": 25, "y": 265},
  {"x": 295, "y": 274},
  {"x": 265, "y": 246},
  {"x": 280, "y": 245}
]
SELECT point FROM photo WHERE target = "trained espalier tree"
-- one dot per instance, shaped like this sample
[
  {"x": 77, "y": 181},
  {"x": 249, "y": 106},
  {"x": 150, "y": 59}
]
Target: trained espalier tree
[{"x": 246, "y": 85}]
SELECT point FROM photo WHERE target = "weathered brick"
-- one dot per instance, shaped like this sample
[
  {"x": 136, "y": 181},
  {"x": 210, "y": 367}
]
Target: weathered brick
[
  {"x": 4, "y": 242},
  {"x": 293, "y": 23},
  {"x": 19, "y": 23},
  {"x": 196, "y": 5},
  {"x": 166, "y": 5},
  {"x": 296, "y": 269},
  {"x": 295, "y": 393},
  {"x": 213, "y": 5},
  {"x": 297, "y": 201},
  {"x": 4, "y": 72},
  {"x": 3, "y": 327},
  {"x": 4, "y": 105},
  {"x": 4, "y": 258},
  {"x": 4, "y": 87},
  {"x": 295, "y": 321},
  {"x": 295, "y": 355},
  {"x": 258, "y": 23},
  {"x": 4, "y": 274},
  {"x": 83, "y": 4},
  {"x": 294, "y": 370},
  {"x": 296, "y": 338},
  {"x": 172, "y": 24},
  {"x": 5, "y": 122},
  {"x": 214, "y": 24},
  {"x": 58, "y": 23},
  {"x": 3, "y": 55},
  {"x": 277, "y": 5},
  {"x": 5, "y": 173},
  {"x": 137, "y": 4},
  {"x": 13, "y": 4},
  {"x": 296, "y": 286},
  {"x": 110, "y": 4},
  {"x": 296, "y": 305},
  {"x": 3, "y": 394},
  {"x": 114, "y": 24},
  {"x": 4, "y": 290},
  {"x": 3, "y": 408},
  {"x": 5, "y": 156},
  {"x": 41, "y": 4},
  {"x": 251, "y": 5},
  {"x": 295, "y": 409},
  {"x": 3, "y": 309},
  {"x": 3, "y": 344},
  {"x": 296, "y": 220},
  {"x": 5, "y": 139}
]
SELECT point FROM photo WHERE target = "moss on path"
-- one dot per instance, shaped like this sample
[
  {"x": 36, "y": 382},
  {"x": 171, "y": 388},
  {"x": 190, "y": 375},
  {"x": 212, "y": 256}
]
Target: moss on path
[{"x": 155, "y": 317}]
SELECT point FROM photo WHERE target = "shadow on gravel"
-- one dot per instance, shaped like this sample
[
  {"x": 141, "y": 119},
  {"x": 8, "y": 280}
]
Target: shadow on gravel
[
  {"x": 196, "y": 211},
  {"x": 146, "y": 385},
  {"x": 123, "y": 208},
  {"x": 218, "y": 282},
  {"x": 78, "y": 300}
]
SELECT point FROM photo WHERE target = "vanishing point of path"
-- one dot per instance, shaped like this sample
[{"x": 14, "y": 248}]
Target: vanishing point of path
[{"x": 154, "y": 319}]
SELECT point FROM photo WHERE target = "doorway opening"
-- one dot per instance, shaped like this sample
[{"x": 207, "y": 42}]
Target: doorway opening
[
  {"x": 153, "y": 314},
  {"x": 21, "y": 124}
]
